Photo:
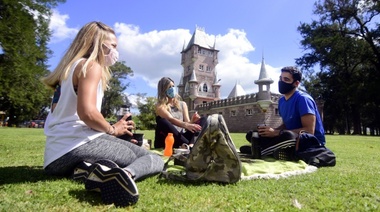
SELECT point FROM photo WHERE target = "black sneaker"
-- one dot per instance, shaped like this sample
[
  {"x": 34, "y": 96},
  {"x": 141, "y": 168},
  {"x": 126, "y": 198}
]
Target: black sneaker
[
  {"x": 83, "y": 169},
  {"x": 287, "y": 154},
  {"x": 115, "y": 185},
  {"x": 246, "y": 149}
]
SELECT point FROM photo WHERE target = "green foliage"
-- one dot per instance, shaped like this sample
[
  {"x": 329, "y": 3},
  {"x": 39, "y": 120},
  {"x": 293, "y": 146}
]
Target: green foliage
[
  {"x": 114, "y": 97},
  {"x": 352, "y": 185},
  {"x": 24, "y": 34},
  {"x": 147, "y": 116},
  {"x": 343, "y": 42}
]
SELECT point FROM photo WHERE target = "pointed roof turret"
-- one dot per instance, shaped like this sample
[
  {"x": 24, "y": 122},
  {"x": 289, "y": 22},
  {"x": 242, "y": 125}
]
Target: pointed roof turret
[
  {"x": 216, "y": 80},
  {"x": 193, "y": 77},
  {"x": 263, "y": 78},
  {"x": 181, "y": 80},
  {"x": 237, "y": 91},
  {"x": 200, "y": 38}
]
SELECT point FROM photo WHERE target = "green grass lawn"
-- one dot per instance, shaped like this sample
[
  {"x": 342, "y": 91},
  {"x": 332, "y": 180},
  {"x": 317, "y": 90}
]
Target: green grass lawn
[{"x": 352, "y": 185}]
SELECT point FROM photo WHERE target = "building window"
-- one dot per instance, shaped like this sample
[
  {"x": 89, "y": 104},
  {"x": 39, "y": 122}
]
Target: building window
[
  {"x": 208, "y": 69},
  {"x": 205, "y": 89},
  {"x": 188, "y": 68},
  {"x": 221, "y": 113},
  {"x": 199, "y": 50},
  {"x": 233, "y": 112},
  {"x": 201, "y": 67},
  {"x": 249, "y": 112},
  {"x": 276, "y": 111}
]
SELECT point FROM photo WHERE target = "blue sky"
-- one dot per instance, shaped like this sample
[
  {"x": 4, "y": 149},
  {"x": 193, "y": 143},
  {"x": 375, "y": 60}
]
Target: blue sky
[{"x": 151, "y": 35}]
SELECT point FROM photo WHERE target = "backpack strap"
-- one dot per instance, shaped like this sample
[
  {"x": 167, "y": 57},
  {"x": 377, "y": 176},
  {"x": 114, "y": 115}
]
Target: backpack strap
[
  {"x": 298, "y": 138},
  {"x": 174, "y": 175},
  {"x": 306, "y": 140}
]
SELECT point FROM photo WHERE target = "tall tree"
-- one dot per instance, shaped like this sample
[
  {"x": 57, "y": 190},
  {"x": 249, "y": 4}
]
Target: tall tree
[
  {"x": 344, "y": 42},
  {"x": 24, "y": 34},
  {"x": 114, "y": 96}
]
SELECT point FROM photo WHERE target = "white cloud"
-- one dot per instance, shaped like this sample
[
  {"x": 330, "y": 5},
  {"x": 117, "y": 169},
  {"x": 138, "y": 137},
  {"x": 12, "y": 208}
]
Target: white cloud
[
  {"x": 60, "y": 31},
  {"x": 155, "y": 54},
  {"x": 151, "y": 55}
]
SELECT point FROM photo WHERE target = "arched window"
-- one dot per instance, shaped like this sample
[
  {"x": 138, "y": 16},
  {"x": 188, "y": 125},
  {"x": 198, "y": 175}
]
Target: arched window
[{"x": 205, "y": 87}]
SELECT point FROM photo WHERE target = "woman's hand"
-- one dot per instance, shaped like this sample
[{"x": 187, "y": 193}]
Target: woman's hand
[
  {"x": 123, "y": 126},
  {"x": 193, "y": 127},
  {"x": 195, "y": 117}
]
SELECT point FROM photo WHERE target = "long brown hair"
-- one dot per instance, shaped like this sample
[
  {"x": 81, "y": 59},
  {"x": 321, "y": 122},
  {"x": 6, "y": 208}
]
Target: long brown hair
[{"x": 162, "y": 99}]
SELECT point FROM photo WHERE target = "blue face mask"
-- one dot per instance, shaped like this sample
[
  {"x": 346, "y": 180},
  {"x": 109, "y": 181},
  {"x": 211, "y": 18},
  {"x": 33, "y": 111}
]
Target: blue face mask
[{"x": 170, "y": 92}]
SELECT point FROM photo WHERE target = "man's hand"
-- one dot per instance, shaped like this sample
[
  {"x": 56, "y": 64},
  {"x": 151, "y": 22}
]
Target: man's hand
[{"x": 266, "y": 131}]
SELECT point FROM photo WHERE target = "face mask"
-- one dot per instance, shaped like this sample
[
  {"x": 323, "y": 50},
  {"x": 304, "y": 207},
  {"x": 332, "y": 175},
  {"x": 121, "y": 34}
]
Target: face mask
[
  {"x": 111, "y": 57},
  {"x": 284, "y": 87},
  {"x": 170, "y": 92}
]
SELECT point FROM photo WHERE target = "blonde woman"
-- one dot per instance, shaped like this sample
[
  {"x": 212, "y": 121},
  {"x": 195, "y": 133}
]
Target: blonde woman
[
  {"x": 79, "y": 141},
  {"x": 172, "y": 116}
]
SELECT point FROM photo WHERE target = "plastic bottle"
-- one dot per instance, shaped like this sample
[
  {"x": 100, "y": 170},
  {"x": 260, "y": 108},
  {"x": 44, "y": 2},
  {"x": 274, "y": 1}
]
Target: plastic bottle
[{"x": 169, "y": 142}]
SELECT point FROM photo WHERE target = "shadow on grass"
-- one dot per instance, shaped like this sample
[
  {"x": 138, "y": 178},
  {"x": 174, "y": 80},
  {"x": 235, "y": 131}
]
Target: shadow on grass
[
  {"x": 32, "y": 174},
  {"x": 91, "y": 197},
  {"x": 187, "y": 183},
  {"x": 23, "y": 174}
]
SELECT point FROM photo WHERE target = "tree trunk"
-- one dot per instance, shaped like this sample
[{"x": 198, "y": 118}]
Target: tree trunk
[{"x": 356, "y": 120}]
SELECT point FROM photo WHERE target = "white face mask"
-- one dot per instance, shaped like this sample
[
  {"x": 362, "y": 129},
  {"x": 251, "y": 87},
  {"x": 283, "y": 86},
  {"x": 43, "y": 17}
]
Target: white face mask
[{"x": 111, "y": 57}]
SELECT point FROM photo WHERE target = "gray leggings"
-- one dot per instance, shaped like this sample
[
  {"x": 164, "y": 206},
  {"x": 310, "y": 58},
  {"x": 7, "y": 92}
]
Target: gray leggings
[{"x": 136, "y": 160}]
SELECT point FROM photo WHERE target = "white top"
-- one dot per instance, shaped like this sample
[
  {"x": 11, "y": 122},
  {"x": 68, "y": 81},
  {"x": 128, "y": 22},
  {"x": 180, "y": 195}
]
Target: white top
[
  {"x": 178, "y": 114},
  {"x": 63, "y": 128}
]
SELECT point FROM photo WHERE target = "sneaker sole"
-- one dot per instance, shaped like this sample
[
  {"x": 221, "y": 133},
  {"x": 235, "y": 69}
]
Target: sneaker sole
[
  {"x": 83, "y": 169},
  {"x": 114, "y": 184},
  {"x": 81, "y": 172}
]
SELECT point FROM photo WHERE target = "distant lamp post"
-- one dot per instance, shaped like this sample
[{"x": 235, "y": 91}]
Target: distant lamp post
[{"x": 264, "y": 105}]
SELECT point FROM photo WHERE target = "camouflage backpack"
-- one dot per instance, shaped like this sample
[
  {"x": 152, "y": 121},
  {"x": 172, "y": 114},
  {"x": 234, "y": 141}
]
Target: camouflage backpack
[{"x": 212, "y": 158}]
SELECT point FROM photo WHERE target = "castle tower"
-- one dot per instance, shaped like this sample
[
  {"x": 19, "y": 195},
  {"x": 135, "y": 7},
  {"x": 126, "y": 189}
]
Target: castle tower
[{"x": 199, "y": 83}]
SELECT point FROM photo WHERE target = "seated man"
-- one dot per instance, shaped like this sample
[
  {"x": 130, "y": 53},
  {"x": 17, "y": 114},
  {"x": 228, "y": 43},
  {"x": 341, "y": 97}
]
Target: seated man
[{"x": 298, "y": 112}]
